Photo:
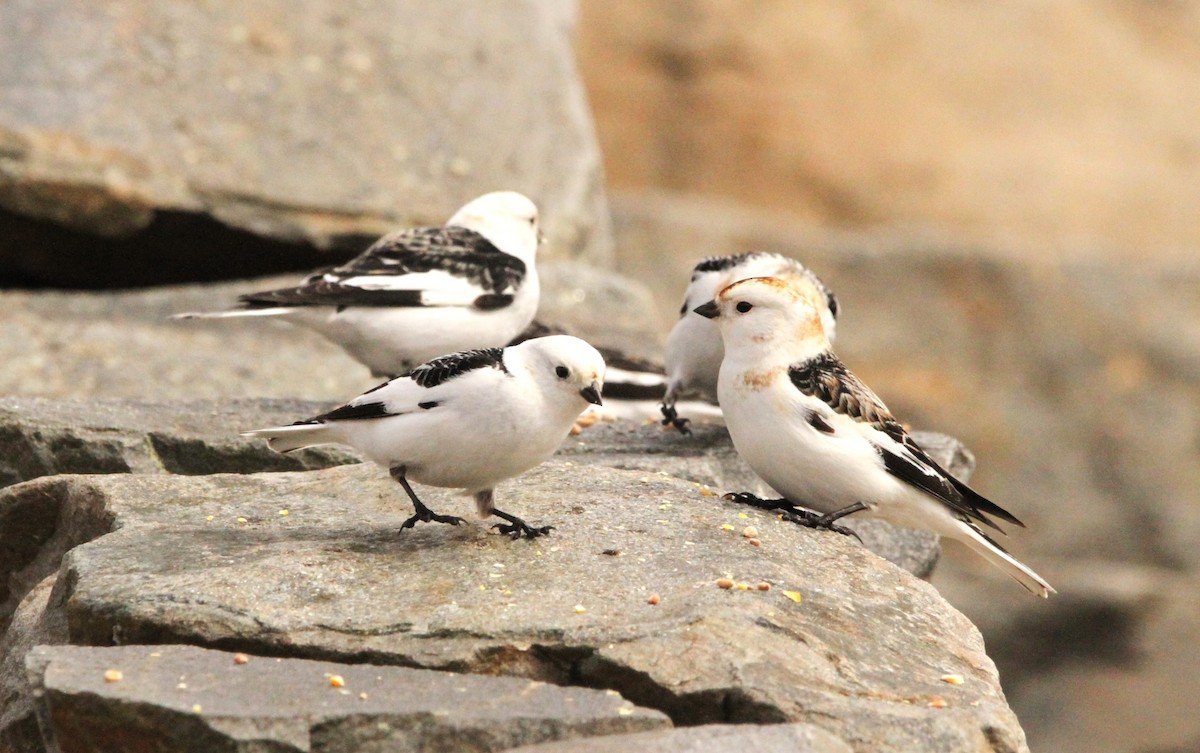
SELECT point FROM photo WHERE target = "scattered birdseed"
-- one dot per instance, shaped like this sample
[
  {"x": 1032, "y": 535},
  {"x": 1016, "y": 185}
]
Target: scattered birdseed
[
  {"x": 654, "y": 599},
  {"x": 242, "y": 520},
  {"x": 241, "y": 659},
  {"x": 625, "y": 711},
  {"x": 580, "y": 609},
  {"x": 285, "y": 512},
  {"x": 726, "y": 527},
  {"x": 750, "y": 532},
  {"x": 953, "y": 679},
  {"x": 793, "y": 595},
  {"x": 336, "y": 681},
  {"x": 196, "y": 709},
  {"x": 937, "y": 702},
  {"x": 754, "y": 542},
  {"x": 763, "y": 586},
  {"x": 113, "y": 675},
  {"x": 725, "y": 583}
]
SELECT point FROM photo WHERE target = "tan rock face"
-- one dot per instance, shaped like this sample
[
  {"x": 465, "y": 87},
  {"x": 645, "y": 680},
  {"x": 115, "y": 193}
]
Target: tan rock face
[{"x": 1038, "y": 127}]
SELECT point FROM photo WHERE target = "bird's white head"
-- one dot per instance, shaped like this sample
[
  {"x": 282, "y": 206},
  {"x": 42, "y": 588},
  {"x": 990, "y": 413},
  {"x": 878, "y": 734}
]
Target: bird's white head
[
  {"x": 711, "y": 275},
  {"x": 769, "y": 315},
  {"x": 506, "y": 218},
  {"x": 568, "y": 371}
]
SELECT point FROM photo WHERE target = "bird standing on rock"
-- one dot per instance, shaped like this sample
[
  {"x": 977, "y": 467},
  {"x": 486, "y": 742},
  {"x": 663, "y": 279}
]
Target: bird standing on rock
[
  {"x": 466, "y": 420},
  {"x": 820, "y": 437},
  {"x": 694, "y": 350},
  {"x": 419, "y": 293}
]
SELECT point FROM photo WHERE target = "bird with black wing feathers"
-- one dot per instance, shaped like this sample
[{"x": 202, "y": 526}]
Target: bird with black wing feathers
[
  {"x": 820, "y": 437},
  {"x": 419, "y": 293},
  {"x": 465, "y": 421}
]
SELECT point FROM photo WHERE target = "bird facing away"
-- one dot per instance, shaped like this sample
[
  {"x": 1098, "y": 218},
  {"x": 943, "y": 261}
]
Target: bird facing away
[
  {"x": 466, "y": 421},
  {"x": 820, "y": 437},
  {"x": 694, "y": 350},
  {"x": 419, "y": 293}
]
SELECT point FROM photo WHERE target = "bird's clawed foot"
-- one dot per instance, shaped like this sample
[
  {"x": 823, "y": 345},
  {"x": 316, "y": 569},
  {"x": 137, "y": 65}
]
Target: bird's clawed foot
[
  {"x": 425, "y": 515},
  {"x": 516, "y": 528},
  {"x": 672, "y": 418},
  {"x": 799, "y": 515}
]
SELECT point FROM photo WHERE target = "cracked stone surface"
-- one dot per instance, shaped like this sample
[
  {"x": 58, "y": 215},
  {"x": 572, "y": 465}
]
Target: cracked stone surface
[
  {"x": 41, "y": 437},
  {"x": 182, "y": 698},
  {"x": 708, "y": 738},
  {"x": 211, "y": 561}
]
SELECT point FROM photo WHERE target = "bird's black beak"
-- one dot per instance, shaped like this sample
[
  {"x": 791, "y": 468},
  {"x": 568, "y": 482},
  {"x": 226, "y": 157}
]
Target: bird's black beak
[
  {"x": 708, "y": 310},
  {"x": 592, "y": 394}
]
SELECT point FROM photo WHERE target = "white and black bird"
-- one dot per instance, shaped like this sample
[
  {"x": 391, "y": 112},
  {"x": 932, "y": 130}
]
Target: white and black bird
[
  {"x": 820, "y": 437},
  {"x": 465, "y": 421},
  {"x": 694, "y": 350},
  {"x": 419, "y": 293}
]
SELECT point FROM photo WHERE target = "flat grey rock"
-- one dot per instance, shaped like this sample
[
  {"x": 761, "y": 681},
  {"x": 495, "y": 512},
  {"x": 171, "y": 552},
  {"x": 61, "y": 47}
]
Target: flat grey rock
[
  {"x": 303, "y": 123},
  {"x": 212, "y": 561},
  {"x": 182, "y": 698},
  {"x": 40, "y": 437},
  {"x": 708, "y": 738}
]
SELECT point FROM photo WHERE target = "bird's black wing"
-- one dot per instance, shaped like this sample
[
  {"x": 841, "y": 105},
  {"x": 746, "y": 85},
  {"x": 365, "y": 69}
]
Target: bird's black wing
[
  {"x": 374, "y": 278},
  {"x": 445, "y": 368},
  {"x": 826, "y": 378}
]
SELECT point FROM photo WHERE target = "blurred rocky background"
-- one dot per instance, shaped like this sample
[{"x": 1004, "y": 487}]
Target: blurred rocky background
[{"x": 1003, "y": 196}]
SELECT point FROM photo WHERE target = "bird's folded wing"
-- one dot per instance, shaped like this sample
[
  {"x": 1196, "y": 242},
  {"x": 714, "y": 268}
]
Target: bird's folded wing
[
  {"x": 826, "y": 378},
  {"x": 421, "y": 267}
]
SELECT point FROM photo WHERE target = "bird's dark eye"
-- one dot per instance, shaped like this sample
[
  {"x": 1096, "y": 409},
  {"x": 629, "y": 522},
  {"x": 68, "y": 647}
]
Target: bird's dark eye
[
  {"x": 744, "y": 306},
  {"x": 562, "y": 372},
  {"x": 533, "y": 220}
]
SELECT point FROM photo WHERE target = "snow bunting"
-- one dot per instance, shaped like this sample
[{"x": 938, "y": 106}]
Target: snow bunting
[
  {"x": 466, "y": 420},
  {"x": 694, "y": 350},
  {"x": 821, "y": 438},
  {"x": 416, "y": 294}
]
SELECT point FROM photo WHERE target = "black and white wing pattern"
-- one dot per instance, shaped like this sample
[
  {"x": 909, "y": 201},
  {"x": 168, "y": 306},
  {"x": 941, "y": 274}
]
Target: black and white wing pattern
[
  {"x": 445, "y": 368},
  {"x": 431, "y": 266},
  {"x": 396, "y": 397},
  {"x": 827, "y": 379}
]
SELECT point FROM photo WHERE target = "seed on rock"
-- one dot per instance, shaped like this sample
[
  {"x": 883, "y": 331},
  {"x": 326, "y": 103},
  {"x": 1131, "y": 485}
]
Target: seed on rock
[
  {"x": 763, "y": 586},
  {"x": 754, "y": 542},
  {"x": 953, "y": 679},
  {"x": 113, "y": 675},
  {"x": 937, "y": 702},
  {"x": 337, "y": 681},
  {"x": 750, "y": 532},
  {"x": 241, "y": 659},
  {"x": 654, "y": 599},
  {"x": 725, "y": 583}
]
